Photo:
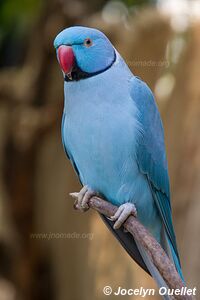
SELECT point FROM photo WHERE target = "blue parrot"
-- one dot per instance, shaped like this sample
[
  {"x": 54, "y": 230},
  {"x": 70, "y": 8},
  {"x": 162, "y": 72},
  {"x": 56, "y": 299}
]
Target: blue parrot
[{"x": 113, "y": 135}]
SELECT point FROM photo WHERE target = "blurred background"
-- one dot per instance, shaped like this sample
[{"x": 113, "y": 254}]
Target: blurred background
[{"x": 48, "y": 250}]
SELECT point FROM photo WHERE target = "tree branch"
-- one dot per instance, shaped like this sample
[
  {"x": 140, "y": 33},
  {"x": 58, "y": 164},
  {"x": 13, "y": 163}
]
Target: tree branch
[{"x": 152, "y": 247}]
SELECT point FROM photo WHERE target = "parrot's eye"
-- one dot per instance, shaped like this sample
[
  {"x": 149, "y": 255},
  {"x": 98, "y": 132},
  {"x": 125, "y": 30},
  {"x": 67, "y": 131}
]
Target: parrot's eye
[{"x": 87, "y": 42}]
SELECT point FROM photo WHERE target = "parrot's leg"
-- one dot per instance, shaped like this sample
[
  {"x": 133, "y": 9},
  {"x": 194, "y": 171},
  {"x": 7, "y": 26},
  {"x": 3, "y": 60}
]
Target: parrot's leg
[
  {"x": 83, "y": 197},
  {"x": 123, "y": 212}
]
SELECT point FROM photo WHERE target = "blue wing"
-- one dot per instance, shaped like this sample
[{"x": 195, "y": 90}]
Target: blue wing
[{"x": 151, "y": 155}]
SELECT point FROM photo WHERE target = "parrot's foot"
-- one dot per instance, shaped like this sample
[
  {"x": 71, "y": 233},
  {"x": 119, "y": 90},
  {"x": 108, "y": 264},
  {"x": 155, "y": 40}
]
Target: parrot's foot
[
  {"x": 123, "y": 212},
  {"x": 82, "y": 198}
]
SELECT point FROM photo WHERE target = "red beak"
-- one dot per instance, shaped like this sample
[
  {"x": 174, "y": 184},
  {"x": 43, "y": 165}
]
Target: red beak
[{"x": 66, "y": 58}]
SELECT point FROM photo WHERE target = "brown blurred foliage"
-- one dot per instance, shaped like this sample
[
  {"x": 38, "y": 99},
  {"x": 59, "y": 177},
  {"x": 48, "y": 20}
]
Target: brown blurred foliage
[{"x": 35, "y": 177}]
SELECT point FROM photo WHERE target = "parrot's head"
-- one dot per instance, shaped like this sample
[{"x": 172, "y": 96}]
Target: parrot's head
[{"x": 83, "y": 52}]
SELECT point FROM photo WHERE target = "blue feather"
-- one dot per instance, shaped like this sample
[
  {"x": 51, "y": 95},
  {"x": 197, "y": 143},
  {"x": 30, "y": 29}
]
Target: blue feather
[{"x": 151, "y": 153}]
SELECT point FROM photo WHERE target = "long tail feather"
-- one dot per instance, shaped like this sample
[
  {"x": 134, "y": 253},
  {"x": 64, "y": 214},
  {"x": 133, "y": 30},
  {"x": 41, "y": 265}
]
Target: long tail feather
[
  {"x": 153, "y": 270},
  {"x": 140, "y": 256},
  {"x": 173, "y": 256}
]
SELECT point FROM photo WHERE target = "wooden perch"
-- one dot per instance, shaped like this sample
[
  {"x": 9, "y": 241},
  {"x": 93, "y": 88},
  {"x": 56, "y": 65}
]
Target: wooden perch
[{"x": 152, "y": 247}]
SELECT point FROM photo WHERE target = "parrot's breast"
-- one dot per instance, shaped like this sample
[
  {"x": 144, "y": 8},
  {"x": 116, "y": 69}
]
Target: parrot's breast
[
  {"x": 98, "y": 140},
  {"x": 101, "y": 140},
  {"x": 100, "y": 132}
]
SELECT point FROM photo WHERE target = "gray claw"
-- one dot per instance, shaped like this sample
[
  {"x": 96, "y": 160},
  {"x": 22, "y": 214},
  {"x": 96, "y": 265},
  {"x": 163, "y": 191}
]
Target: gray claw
[
  {"x": 123, "y": 212},
  {"x": 82, "y": 198}
]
